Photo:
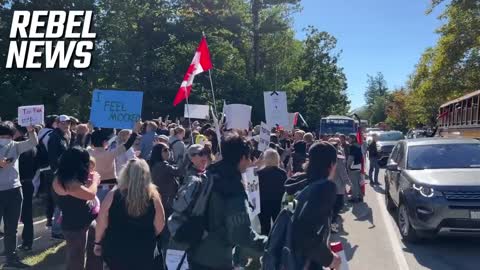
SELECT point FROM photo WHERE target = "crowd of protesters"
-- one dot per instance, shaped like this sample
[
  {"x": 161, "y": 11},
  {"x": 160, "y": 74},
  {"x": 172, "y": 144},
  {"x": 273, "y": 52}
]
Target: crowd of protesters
[{"x": 110, "y": 193}]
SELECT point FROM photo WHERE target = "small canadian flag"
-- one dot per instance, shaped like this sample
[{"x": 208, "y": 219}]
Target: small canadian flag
[{"x": 201, "y": 62}]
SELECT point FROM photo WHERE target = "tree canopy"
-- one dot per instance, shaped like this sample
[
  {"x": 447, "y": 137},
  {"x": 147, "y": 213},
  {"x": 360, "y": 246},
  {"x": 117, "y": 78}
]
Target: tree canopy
[{"x": 147, "y": 45}]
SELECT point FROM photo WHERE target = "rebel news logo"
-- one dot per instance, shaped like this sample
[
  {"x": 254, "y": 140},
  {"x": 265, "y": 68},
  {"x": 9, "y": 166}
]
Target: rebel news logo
[{"x": 50, "y": 39}]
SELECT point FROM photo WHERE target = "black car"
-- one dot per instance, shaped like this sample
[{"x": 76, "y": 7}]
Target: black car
[{"x": 435, "y": 184}]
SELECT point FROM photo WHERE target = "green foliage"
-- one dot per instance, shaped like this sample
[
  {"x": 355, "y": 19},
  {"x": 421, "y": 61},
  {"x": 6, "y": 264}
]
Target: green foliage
[
  {"x": 451, "y": 68},
  {"x": 376, "y": 87},
  {"x": 147, "y": 45}
]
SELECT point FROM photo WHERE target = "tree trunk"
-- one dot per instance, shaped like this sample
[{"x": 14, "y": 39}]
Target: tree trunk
[{"x": 256, "y": 7}]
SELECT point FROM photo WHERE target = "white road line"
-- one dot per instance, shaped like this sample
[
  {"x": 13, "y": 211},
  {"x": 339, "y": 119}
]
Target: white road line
[
  {"x": 392, "y": 235},
  {"x": 34, "y": 223}
]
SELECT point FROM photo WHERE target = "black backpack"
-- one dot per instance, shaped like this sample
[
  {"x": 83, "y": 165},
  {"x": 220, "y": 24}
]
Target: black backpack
[
  {"x": 280, "y": 253},
  {"x": 42, "y": 153}
]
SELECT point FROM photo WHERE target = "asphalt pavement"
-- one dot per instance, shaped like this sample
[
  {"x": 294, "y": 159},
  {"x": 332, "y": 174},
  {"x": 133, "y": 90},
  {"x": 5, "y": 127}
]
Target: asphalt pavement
[{"x": 371, "y": 240}]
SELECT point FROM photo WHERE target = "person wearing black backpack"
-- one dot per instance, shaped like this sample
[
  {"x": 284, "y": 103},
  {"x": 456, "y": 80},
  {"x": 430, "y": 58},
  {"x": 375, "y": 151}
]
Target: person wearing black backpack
[
  {"x": 226, "y": 212},
  {"x": 299, "y": 239}
]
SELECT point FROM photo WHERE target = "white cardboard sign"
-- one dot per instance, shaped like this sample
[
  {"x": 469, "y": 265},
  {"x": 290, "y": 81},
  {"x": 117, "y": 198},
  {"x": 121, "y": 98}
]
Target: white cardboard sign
[
  {"x": 238, "y": 116},
  {"x": 194, "y": 111},
  {"x": 31, "y": 115},
  {"x": 253, "y": 191},
  {"x": 264, "y": 141},
  {"x": 276, "y": 112}
]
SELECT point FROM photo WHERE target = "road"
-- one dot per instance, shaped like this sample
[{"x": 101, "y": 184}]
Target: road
[{"x": 372, "y": 241}]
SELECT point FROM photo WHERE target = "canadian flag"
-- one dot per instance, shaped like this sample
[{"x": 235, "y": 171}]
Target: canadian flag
[{"x": 201, "y": 62}]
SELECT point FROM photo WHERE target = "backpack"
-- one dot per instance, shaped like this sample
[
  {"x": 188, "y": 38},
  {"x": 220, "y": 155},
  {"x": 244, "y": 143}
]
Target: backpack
[
  {"x": 42, "y": 153},
  {"x": 188, "y": 222},
  {"x": 279, "y": 251}
]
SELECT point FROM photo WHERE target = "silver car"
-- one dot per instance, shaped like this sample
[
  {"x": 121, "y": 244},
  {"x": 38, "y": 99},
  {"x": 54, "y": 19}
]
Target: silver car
[
  {"x": 385, "y": 142},
  {"x": 435, "y": 185}
]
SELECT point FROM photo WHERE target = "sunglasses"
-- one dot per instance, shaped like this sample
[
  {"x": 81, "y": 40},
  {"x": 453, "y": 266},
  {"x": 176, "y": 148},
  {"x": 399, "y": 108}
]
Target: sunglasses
[
  {"x": 166, "y": 150},
  {"x": 201, "y": 154}
]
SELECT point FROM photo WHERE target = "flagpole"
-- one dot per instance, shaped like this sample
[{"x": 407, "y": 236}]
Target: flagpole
[
  {"x": 211, "y": 83},
  {"x": 188, "y": 114}
]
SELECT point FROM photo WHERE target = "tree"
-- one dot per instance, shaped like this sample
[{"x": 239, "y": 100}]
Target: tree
[
  {"x": 451, "y": 68},
  {"x": 397, "y": 111},
  {"x": 323, "y": 81},
  {"x": 376, "y": 87}
]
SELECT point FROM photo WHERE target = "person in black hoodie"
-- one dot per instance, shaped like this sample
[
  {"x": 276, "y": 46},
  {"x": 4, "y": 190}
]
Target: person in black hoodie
[
  {"x": 27, "y": 166},
  {"x": 311, "y": 223},
  {"x": 272, "y": 180}
]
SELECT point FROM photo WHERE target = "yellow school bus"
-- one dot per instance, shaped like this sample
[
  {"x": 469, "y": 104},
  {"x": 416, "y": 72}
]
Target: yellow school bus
[{"x": 460, "y": 117}]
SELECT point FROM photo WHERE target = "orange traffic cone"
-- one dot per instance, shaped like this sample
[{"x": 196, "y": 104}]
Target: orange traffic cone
[{"x": 337, "y": 248}]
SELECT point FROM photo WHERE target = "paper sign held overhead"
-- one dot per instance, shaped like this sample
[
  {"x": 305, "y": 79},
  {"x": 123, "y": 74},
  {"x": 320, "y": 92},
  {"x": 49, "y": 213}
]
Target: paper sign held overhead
[
  {"x": 276, "y": 112},
  {"x": 116, "y": 109},
  {"x": 253, "y": 191},
  {"x": 238, "y": 116},
  {"x": 264, "y": 141},
  {"x": 31, "y": 115},
  {"x": 194, "y": 111}
]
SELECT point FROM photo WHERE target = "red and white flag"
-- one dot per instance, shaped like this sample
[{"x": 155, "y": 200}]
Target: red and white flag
[{"x": 201, "y": 62}]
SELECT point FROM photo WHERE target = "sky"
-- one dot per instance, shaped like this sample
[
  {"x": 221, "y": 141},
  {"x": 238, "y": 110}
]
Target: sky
[{"x": 385, "y": 36}]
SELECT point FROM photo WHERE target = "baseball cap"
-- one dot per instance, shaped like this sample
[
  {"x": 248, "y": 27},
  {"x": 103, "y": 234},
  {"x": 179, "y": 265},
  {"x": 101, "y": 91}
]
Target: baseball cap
[
  {"x": 63, "y": 118},
  {"x": 163, "y": 137},
  {"x": 196, "y": 149}
]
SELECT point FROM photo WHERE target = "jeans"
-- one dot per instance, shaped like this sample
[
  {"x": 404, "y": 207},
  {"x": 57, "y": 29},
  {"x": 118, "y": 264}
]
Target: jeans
[
  {"x": 47, "y": 179},
  {"x": 10, "y": 208},
  {"x": 338, "y": 206},
  {"x": 80, "y": 244},
  {"x": 27, "y": 214},
  {"x": 57, "y": 222},
  {"x": 374, "y": 170},
  {"x": 269, "y": 213},
  {"x": 355, "y": 178}
]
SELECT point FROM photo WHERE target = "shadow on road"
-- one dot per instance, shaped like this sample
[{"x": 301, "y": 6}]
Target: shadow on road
[{"x": 363, "y": 212}]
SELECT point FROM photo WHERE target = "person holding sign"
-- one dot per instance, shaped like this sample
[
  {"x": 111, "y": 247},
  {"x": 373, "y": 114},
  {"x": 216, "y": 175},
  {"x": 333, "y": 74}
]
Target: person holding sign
[
  {"x": 105, "y": 159},
  {"x": 10, "y": 187}
]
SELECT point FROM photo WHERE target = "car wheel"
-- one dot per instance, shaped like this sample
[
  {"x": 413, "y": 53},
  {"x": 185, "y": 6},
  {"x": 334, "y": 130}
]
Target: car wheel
[
  {"x": 388, "y": 200},
  {"x": 406, "y": 230}
]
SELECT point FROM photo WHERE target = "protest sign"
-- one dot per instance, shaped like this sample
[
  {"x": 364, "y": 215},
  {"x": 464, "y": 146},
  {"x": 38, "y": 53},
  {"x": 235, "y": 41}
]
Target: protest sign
[
  {"x": 116, "y": 109},
  {"x": 174, "y": 258},
  {"x": 31, "y": 115},
  {"x": 276, "y": 109},
  {"x": 291, "y": 121},
  {"x": 253, "y": 191},
  {"x": 238, "y": 116},
  {"x": 194, "y": 111},
  {"x": 264, "y": 141}
]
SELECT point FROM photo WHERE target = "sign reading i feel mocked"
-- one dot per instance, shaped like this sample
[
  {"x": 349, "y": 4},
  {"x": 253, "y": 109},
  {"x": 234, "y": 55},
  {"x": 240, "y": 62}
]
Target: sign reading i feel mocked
[{"x": 116, "y": 109}]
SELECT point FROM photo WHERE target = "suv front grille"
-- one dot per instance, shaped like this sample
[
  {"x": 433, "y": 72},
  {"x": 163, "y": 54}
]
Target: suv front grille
[{"x": 462, "y": 195}]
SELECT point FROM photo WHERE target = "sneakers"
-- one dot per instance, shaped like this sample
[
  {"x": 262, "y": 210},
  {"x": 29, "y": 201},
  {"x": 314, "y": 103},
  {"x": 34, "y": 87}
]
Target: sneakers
[{"x": 25, "y": 248}]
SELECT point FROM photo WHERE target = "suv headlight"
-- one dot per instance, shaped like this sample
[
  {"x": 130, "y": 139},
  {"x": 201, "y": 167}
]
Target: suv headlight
[{"x": 426, "y": 191}]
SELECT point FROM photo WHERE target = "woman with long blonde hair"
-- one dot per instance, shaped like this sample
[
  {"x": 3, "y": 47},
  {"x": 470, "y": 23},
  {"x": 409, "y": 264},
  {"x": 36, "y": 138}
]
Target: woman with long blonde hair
[{"x": 131, "y": 217}]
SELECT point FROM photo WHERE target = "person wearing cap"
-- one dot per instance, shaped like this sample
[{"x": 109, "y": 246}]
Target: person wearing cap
[
  {"x": 11, "y": 196},
  {"x": 228, "y": 220},
  {"x": 58, "y": 143},
  {"x": 146, "y": 143},
  {"x": 46, "y": 173},
  {"x": 196, "y": 162}
]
